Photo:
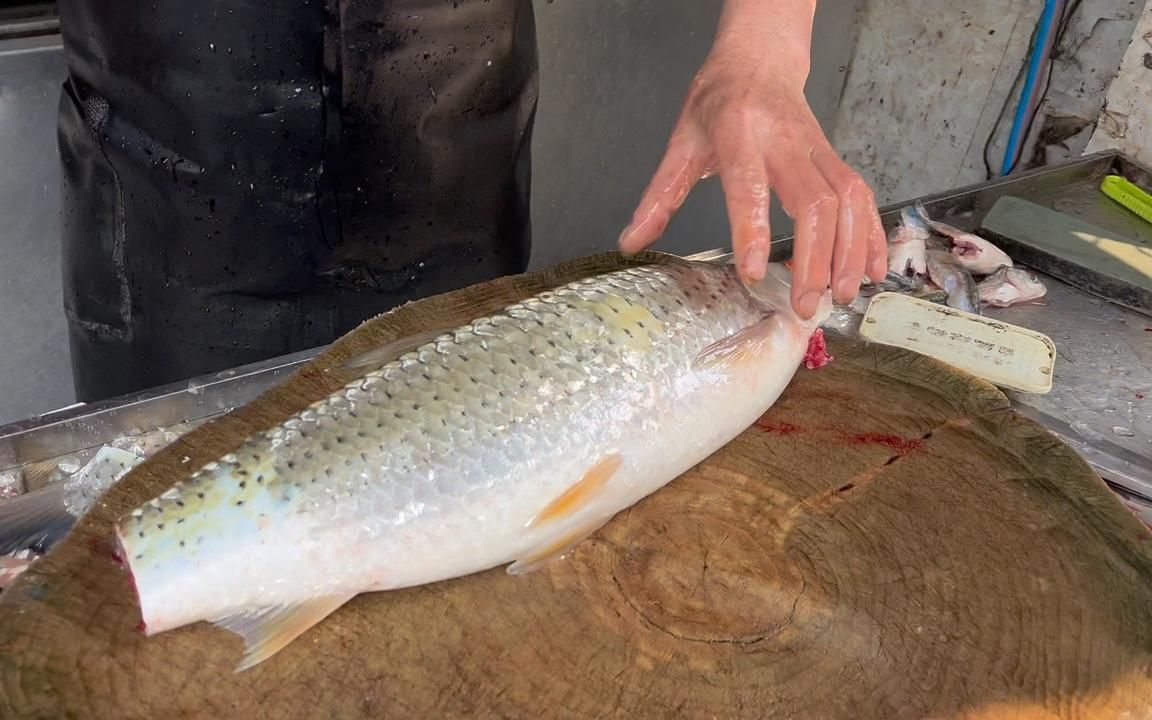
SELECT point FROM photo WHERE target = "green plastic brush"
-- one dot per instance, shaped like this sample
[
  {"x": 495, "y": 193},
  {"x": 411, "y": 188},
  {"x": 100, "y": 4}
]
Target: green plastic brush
[{"x": 1129, "y": 195}]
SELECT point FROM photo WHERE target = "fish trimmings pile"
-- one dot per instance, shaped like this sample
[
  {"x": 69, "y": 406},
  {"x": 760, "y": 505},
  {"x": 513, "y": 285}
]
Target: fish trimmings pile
[{"x": 938, "y": 262}]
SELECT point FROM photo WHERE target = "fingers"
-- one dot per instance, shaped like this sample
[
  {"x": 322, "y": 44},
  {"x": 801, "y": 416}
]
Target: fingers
[
  {"x": 747, "y": 198},
  {"x": 815, "y": 208},
  {"x": 857, "y": 221},
  {"x": 680, "y": 169},
  {"x": 877, "y": 249}
]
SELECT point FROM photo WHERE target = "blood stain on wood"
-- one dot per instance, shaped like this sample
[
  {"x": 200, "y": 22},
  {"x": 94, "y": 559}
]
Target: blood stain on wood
[
  {"x": 104, "y": 549},
  {"x": 775, "y": 427},
  {"x": 894, "y": 442}
]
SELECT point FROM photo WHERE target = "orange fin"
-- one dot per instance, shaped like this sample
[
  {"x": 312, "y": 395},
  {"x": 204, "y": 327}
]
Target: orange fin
[
  {"x": 738, "y": 348},
  {"x": 267, "y": 631},
  {"x": 580, "y": 494},
  {"x": 556, "y": 548},
  {"x": 386, "y": 353}
]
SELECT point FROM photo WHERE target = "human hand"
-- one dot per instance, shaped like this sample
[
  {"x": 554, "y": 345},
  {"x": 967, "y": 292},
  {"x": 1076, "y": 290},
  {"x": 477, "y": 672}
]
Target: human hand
[{"x": 746, "y": 119}]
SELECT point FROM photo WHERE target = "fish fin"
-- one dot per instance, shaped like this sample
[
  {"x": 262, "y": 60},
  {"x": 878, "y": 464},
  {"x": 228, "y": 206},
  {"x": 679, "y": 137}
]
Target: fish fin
[
  {"x": 581, "y": 493},
  {"x": 34, "y": 520},
  {"x": 915, "y": 215},
  {"x": 735, "y": 349},
  {"x": 390, "y": 351},
  {"x": 38, "y": 474},
  {"x": 267, "y": 631},
  {"x": 556, "y": 548}
]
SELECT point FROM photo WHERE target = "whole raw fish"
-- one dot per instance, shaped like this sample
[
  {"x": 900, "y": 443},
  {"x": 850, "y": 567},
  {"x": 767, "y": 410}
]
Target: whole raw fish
[
  {"x": 1010, "y": 286},
  {"x": 506, "y": 441},
  {"x": 907, "y": 245}
]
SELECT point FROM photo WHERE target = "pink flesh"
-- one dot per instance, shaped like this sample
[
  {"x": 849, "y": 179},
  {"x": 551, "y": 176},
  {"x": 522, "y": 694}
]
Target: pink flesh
[
  {"x": 817, "y": 355},
  {"x": 963, "y": 248}
]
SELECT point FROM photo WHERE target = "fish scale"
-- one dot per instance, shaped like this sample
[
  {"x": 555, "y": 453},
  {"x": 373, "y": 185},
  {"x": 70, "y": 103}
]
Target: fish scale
[{"x": 502, "y": 441}]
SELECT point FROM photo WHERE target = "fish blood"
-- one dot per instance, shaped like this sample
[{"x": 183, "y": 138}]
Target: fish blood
[{"x": 817, "y": 355}]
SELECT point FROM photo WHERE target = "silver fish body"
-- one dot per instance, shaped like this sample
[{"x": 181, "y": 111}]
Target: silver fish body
[
  {"x": 504, "y": 441},
  {"x": 955, "y": 280}
]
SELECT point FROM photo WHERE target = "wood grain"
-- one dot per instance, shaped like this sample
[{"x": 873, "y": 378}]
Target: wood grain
[{"x": 889, "y": 541}]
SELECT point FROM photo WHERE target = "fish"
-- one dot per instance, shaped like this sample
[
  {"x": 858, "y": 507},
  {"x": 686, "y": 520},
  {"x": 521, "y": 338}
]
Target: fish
[
  {"x": 1010, "y": 286},
  {"x": 933, "y": 296},
  {"x": 977, "y": 255},
  {"x": 907, "y": 245},
  {"x": 948, "y": 274},
  {"x": 40, "y": 518},
  {"x": 506, "y": 441},
  {"x": 894, "y": 282}
]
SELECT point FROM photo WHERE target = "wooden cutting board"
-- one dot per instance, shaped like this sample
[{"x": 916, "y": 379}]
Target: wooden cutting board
[{"x": 889, "y": 541}]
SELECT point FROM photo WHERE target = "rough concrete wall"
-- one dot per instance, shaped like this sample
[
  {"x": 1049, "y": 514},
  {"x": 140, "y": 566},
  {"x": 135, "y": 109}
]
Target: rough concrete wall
[
  {"x": 1083, "y": 71},
  {"x": 929, "y": 79},
  {"x": 1126, "y": 120}
]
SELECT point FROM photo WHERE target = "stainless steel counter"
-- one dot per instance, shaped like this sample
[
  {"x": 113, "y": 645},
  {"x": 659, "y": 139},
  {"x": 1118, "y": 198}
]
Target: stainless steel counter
[{"x": 1101, "y": 404}]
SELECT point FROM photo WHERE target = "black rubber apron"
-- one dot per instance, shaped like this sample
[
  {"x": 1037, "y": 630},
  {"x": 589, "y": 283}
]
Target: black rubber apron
[{"x": 244, "y": 180}]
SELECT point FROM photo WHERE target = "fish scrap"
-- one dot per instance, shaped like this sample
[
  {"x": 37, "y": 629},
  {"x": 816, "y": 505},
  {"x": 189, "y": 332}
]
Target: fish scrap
[
  {"x": 948, "y": 274},
  {"x": 935, "y": 261},
  {"x": 976, "y": 254},
  {"x": 907, "y": 244},
  {"x": 1011, "y": 286}
]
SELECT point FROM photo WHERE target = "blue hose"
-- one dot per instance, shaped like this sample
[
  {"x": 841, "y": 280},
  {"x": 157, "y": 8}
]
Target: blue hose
[{"x": 1040, "y": 53}]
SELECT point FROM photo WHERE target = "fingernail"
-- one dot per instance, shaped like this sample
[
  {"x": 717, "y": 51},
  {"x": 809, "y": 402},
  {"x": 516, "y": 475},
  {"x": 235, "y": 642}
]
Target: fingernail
[
  {"x": 755, "y": 263},
  {"x": 808, "y": 303},
  {"x": 622, "y": 241},
  {"x": 846, "y": 290}
]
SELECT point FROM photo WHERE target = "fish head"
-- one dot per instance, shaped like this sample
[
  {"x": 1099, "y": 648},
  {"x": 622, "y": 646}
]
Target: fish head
[
  {"x": 996, "y": 277},
  {"x": 1024, "y": 279},
  {"x": 1011, "y": 286},
  {"x": 1026, "y": 283}
]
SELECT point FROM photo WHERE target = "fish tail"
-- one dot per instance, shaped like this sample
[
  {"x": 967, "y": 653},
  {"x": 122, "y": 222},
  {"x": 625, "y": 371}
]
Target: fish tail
[
  {"x": 916, "y": 216},
  {"x": 34, "y": 521}
]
